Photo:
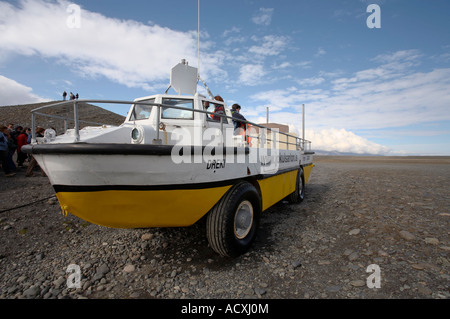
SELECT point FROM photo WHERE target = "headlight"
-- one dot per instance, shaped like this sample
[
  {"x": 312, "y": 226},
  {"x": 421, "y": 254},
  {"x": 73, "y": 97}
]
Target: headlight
[
  {"x": 49, "y": 135},
  {"x": 137, "y": 135}
]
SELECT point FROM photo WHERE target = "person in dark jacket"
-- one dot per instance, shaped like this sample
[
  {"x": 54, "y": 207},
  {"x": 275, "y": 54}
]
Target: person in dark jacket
[
  {"x": 4, "y": 150},
  {"x": 235, "y": 112},
  {"x": 33, "y": 163}
]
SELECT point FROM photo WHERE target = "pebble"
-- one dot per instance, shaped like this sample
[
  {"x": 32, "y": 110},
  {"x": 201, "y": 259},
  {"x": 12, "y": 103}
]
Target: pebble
[
  {"x": 333, "y": 288},
  {"x": 353, "y": 256},
  {"x": 354, "y": 231},
  {"x": 407, "y": 235},
  {"x": 129, "y": 268},
  {"x": 260, "y": 291},
  {"x": 101, "y": 271},
  {"x": 432, "y": 241},
  {"x": 31, "y": 292},
  {"x": 57, "y": 283},
  {"x": 147, "y": 236},
  {"x": 358, "y": 283},
  {"x": 424, "y": 290}
]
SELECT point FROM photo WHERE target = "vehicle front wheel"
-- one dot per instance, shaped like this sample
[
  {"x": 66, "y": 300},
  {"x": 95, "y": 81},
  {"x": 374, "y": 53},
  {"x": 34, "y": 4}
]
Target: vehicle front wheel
[{"x": 233, "y": 221}]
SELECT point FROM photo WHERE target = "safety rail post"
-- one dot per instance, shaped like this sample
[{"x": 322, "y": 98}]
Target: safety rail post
[
  {"x": 246, "y": 134},
  {"x": 33, "y": 128},
  {"x": 75, "y": 118},
  {"x": 221, "y": 130},
  {"x": 158, "y": 121}
]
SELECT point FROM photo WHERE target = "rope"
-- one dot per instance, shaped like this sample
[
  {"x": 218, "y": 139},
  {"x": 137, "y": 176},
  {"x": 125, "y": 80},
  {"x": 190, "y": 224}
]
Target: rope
[{"x": 25, "y": 205}]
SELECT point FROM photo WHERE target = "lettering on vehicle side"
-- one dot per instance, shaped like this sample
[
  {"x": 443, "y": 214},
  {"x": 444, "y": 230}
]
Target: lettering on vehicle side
[
  {"x": 267, "y": 160},
  {"x": 215, "y": 164},
  {"x": 287, "y": 158}
]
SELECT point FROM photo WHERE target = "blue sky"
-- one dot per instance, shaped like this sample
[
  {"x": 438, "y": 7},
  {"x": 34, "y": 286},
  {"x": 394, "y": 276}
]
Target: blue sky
[{"x": 366, "y": 90}]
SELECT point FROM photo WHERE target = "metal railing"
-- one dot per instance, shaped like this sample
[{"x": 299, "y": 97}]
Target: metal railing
[{"x": 299, "y": 144}]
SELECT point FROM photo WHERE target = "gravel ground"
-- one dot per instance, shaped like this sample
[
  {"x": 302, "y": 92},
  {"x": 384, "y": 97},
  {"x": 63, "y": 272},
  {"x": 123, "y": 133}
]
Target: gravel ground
[{"x": 359, "y": 211}]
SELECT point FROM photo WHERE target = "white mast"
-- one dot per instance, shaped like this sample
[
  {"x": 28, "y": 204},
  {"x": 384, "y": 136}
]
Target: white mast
[
  {"x": 303, "y": 126},
  {"x": 198, "y": 38}
]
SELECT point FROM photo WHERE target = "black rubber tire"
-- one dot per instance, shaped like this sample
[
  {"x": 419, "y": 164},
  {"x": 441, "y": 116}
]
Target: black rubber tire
[
  {"x": 299, "y": 194},
  {"x": 220, "y": 225}
]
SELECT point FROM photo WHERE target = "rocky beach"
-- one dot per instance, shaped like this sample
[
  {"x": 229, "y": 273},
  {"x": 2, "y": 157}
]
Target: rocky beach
[{"x": 369, "y": 228}]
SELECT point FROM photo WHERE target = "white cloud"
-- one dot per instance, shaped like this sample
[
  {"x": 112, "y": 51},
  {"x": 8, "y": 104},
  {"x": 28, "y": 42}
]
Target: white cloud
[
  {"x": 231, "y": 31},
  {"x": 329, "y": 139},
  {"x": 311, "y": 81},
  {"x": 14, "y": 93},
  {"x": 341, "y": 140},
  {"x": 320, "y": 52},
  {"x": 282, "y": 65},
  {"x": 263, "y": 16},
  {"x": 270, "y": 45},
  {"x": 399, "y": 56},
  {"x": 127, "y": 52},
  {"x": 251, "y": 74}
]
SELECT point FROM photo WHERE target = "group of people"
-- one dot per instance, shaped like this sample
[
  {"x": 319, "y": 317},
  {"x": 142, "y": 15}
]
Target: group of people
[
  {"x": 235, "y": 113},
  {"x": 11, "y": 142},
  {"x": 71, "y": 96}
]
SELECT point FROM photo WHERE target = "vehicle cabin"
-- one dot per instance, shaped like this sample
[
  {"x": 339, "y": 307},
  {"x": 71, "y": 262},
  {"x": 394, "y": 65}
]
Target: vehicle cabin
[{"x": 176, "y": 112}]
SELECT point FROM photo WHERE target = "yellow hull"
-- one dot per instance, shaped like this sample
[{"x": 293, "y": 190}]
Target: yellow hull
[
  {"x": 307, "y": 171},
  {"x": 163, "y": 208},
  {"x": 141, "y": 209},
  {"x": 274, "y": 189}
]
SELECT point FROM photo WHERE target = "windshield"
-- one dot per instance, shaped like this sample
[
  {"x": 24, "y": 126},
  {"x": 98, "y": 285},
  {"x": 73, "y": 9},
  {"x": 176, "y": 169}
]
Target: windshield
[
  {"x": 141, "y": 112},
  {"x": 171, "y": 113}
]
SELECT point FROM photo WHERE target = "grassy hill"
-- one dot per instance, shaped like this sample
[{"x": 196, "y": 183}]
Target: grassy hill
[{"x": 21, "y": 115}]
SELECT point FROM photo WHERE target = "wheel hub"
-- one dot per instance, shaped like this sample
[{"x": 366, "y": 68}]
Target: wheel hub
[{"x": 243, "y": 219}]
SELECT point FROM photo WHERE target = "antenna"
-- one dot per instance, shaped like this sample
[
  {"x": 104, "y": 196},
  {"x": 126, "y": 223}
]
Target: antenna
[
  {"x": 198, "y": 38},
  {"x": 198, "y": 54}
]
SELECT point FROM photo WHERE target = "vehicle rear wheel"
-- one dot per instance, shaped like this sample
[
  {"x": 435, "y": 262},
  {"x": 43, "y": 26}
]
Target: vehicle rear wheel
[
  {"x": 299, "y": 194},
  {"x": 232, "y": 223}
]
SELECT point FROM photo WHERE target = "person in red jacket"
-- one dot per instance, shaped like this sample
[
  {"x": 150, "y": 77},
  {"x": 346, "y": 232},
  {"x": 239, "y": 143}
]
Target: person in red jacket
[
  {"x": 21, "y": 141},
  {"x": 218, "y": 109}
]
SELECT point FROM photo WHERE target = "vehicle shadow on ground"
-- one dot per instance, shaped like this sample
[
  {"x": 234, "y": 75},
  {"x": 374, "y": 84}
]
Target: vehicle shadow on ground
[
  {"x": 189, "y": 248},
  {"x": 284, "y": 212}
]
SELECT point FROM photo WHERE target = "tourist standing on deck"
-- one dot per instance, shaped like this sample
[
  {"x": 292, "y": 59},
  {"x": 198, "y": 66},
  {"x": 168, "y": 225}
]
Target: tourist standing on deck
[
  {"x": 219, "y": 109},
  {"x": 235, "y": 109}
]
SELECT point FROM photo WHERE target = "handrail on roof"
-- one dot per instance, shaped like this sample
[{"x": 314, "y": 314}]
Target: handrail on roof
[{"x": 304, "y": 145}]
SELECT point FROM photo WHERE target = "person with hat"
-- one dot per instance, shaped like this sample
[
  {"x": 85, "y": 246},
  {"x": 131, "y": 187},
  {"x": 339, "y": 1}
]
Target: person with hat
[{"x": 235, "y": 112}]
